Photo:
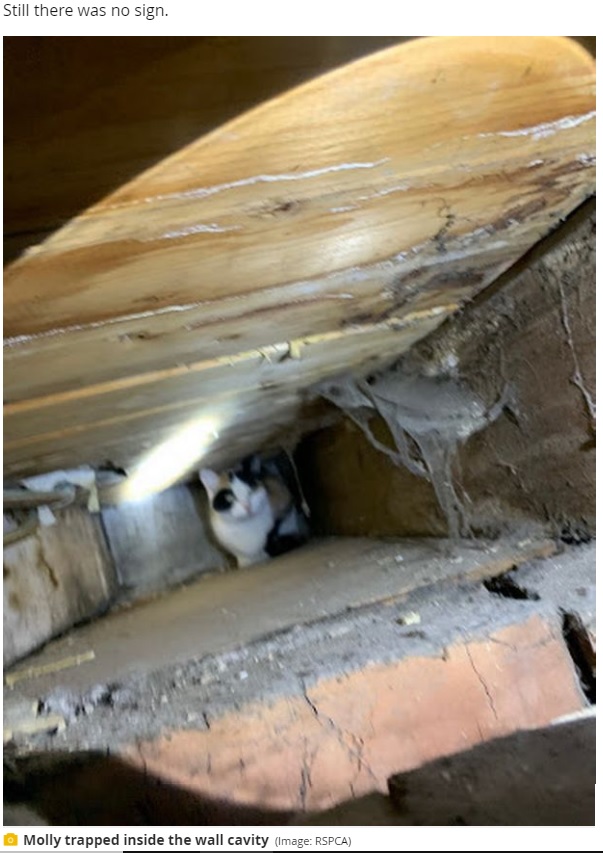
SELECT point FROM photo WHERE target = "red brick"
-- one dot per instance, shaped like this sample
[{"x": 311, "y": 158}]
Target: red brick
[{"x": 354, "y": 731}]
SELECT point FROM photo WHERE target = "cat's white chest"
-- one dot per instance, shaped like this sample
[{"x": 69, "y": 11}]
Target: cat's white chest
[{"x": 245, "y": 537}]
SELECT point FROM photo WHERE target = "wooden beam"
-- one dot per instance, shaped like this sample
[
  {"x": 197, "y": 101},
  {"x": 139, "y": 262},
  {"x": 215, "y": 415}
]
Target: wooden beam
[{"x": 389, "y": 191}]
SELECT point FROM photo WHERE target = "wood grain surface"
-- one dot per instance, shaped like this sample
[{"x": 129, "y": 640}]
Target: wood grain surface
[{"x": 326, "y": 229}]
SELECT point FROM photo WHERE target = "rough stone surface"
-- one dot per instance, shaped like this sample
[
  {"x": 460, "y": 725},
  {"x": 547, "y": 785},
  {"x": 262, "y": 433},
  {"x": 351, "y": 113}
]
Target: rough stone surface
[
  {"x": 238, "y": 637},
  {"x": 341, "y": 737},
  {"x": 310, "y": 716},
  {"x": 567, "y": 578},
  {"x": 346, "y": 735}
]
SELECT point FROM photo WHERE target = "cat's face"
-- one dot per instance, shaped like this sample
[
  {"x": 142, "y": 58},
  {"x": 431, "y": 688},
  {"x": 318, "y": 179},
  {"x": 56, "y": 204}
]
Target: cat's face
[{"x": 232, "y": 496}]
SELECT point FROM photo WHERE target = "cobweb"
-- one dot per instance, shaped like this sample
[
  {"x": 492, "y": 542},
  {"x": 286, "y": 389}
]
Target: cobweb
[{"x": 428, "y": 418}]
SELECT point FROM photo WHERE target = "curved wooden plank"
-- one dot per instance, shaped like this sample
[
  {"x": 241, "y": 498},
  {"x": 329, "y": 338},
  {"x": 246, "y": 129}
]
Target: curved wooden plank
[
  {"x": 381, "y": 195},
  {"x": 82, "y": 115}
]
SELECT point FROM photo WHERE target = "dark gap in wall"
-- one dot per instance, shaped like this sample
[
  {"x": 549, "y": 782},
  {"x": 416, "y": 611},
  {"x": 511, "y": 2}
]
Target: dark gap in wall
[
  {"x": 575, "y": 533},
  {"x": 582, "y": 653},
  {"x": 507, "y": 587}
]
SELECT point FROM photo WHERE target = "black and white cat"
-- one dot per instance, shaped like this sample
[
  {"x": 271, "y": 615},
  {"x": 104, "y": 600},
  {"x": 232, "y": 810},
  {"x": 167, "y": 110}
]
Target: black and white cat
[{"x": 256, "y": 509}]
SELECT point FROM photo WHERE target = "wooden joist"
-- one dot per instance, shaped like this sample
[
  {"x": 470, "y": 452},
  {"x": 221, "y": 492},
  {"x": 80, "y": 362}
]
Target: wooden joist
[{"x": 329, "y": 228}]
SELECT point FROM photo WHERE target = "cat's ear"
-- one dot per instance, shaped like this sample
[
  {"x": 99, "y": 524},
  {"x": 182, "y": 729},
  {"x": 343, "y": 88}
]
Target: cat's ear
[
  {"x": 252, "y": 465},
  {"x": 209, "y": 479},
  {"x": 256, "y": 465}
]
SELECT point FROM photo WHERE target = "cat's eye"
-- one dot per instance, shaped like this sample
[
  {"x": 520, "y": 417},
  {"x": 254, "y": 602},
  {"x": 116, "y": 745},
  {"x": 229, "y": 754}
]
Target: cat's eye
[{"x": 223, "y": 500}]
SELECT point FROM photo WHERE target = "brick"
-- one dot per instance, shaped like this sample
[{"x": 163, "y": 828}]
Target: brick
[{"x": 348, "y": 734}]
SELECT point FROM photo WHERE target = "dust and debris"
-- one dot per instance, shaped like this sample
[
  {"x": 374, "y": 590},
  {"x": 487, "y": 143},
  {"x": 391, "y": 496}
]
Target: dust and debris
[
  {"x": 70, "y": 705},
  {"x": 33, "y": 726},
  {"x": 409, "y": 618}
]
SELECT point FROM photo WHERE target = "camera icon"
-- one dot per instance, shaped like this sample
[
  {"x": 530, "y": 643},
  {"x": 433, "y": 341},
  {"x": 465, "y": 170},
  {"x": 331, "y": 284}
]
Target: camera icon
[{"x": 11, "y": 839}]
